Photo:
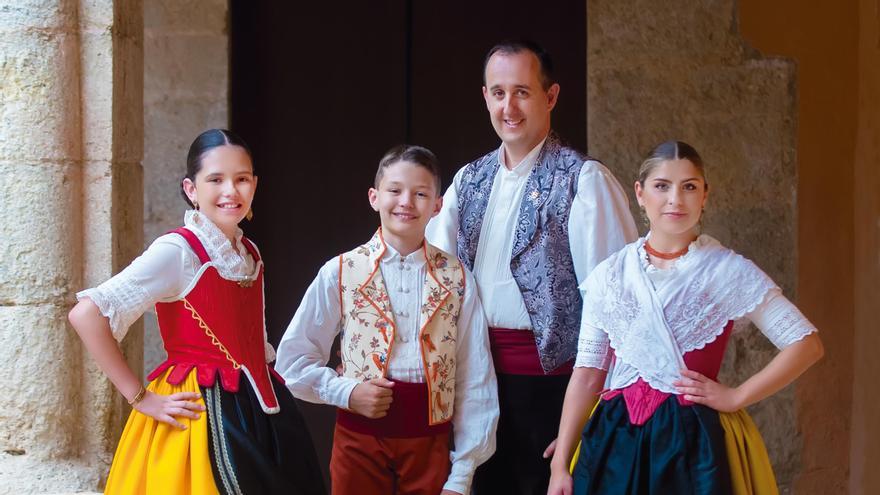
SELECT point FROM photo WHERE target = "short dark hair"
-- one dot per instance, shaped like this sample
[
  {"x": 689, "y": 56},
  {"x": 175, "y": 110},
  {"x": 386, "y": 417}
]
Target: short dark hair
[
  {"x": 417, "y": 155},
  {"x": 205, "y": 142},
  {"x": 509, "y": 47}
]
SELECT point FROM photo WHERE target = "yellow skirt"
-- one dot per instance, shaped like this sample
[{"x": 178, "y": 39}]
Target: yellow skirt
[
  {"x": 155, "y": 458},
  {"x": 750, "y": 469}
]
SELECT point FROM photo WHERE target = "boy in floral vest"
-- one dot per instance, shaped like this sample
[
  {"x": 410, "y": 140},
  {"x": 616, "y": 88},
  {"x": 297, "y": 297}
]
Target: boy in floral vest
[{"x": 415, "y": 351}]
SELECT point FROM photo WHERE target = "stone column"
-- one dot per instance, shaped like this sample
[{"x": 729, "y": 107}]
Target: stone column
[
  {"x": 71, "y": 131},
  {"x": 186, "y": 90},
  {"x": 680, "y": 70}
]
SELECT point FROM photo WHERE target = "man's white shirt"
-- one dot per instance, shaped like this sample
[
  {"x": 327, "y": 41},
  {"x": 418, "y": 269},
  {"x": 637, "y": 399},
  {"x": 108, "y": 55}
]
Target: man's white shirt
[{"x": 599, "y": 224}]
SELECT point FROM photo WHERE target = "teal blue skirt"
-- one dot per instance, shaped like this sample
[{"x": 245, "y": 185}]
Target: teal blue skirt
[{"x": 679, "y": 450}]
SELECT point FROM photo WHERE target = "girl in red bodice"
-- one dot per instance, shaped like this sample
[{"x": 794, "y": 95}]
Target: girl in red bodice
[
  {"x": 656, "y": 319},
  {"x": 214, "y": 418}
]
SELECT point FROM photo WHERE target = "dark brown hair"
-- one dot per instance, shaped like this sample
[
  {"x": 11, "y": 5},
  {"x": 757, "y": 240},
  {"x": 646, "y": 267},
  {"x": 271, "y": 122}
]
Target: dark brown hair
[
  {"x": 510, "y": 47},
  {"x": 417, "y": 155},
  {"x": 205, "y": 142}
]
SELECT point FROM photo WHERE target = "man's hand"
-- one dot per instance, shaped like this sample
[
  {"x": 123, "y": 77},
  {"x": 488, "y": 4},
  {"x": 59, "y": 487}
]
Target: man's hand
[
  {"x": 371, "y": 399},
  {"x": 560, "y": 482},
  {"x": 548, "y": 452}
]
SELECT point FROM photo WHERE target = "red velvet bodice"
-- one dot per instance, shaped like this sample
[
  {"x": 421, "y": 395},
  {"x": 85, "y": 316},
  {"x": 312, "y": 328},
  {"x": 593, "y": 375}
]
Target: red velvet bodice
[{"x": 217, "y": 328}]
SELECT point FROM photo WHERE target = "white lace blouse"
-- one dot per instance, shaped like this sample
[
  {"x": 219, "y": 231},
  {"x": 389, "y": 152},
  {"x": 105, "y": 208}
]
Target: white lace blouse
[
  {"x": 166, "y": 271},
  {"x": 619, "y": 309}
]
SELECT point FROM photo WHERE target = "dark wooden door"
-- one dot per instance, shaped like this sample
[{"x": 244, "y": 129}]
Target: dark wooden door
[{"x": 320, "y": 90}]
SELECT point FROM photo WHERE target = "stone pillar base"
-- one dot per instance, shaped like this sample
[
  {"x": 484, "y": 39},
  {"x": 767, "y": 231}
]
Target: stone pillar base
[{"x": 25, "y": 474}]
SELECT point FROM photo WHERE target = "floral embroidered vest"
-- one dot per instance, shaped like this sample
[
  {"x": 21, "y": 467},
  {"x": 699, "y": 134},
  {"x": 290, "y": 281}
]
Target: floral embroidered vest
[
  {"x": 541, "y": 263},
  {"x": 368, "y": 326}
]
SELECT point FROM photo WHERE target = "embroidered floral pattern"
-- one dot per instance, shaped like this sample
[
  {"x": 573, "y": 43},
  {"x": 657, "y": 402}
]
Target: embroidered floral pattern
[
  {"x": 368, "y": 326},
  {"x": 368, "y": 362},
  {"x": 714, "y": 285},
  {"x": 593, "y": 354}
]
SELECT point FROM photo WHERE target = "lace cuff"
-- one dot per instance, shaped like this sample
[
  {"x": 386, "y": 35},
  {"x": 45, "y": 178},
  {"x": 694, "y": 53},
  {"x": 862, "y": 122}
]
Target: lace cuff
[
  {"x": 121, "y": 301},
  {"x": 780, "y": 320},
  {"x": 594, "y": 350}
]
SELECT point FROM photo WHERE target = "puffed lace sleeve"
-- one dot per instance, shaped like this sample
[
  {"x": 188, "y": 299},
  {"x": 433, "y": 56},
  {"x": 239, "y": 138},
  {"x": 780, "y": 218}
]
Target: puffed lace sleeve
[
  {"x": 780, "y": 320},
  {"x": 159, "y": 274},
  {"x": 270, "y": 352}
]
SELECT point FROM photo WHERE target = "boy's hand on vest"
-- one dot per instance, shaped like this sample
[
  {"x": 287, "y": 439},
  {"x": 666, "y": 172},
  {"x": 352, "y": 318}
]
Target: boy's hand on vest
[
  {"x": 165, "y": 407},
  {"x": 371, "y": 399}
]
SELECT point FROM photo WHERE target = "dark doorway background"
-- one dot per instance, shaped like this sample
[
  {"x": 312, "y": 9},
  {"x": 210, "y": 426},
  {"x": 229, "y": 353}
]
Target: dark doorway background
[{"x": 320, "y": 90}]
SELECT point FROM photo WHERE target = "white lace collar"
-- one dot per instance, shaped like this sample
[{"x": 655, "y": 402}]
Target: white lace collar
[
  {"x": 231, "y": 263},
  {"x": 651, "y": 330}
]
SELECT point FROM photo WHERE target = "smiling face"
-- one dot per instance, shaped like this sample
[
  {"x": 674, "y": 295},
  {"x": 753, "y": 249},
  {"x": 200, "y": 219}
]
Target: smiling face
[
  {"x": 673, "y": 195},
  {"x": 406, "y": 198},
  {"x": 518, "y": 104},
  {"x": 223, "y": 187}
]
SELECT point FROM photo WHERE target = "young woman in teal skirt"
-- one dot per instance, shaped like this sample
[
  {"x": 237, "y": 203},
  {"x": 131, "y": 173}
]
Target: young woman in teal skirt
[{"x": 644, "y": 400}]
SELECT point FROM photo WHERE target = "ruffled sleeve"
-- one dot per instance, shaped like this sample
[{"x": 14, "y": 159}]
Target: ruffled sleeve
[
  {"x": 270, "y": 352},
  {"x": 160, "y": 273},
  {"x": 780, "y": 320}
]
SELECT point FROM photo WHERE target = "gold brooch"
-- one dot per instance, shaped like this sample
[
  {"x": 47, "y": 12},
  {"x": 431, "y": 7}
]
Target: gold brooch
[{"x": 245, "y": 283}]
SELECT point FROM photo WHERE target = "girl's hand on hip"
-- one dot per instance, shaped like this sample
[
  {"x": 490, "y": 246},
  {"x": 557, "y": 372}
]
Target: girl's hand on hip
[
  {"x": 700, "y": 389},
  {"x": 165, "y": 408}
]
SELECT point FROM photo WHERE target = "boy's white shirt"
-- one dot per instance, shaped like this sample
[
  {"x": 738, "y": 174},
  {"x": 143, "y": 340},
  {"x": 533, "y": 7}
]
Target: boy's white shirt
[{"x": 305, "y": 349}]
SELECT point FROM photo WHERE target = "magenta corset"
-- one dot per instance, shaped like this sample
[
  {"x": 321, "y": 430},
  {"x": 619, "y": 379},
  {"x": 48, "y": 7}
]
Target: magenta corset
[{"x": 642, "y": 400}]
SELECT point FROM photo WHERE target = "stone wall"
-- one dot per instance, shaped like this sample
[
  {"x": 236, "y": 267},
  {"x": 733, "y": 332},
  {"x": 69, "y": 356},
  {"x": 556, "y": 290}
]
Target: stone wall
[
  {"x": 681, "y": 70},
  {"x": 828, "y": 114},
  {"x": 185, "y": 92},
  {"x": 70, "y": 175}
]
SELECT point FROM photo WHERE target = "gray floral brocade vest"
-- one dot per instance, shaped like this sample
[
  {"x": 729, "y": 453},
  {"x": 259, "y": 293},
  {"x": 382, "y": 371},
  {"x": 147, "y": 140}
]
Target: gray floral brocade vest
[{"x": 541, "y": 263}]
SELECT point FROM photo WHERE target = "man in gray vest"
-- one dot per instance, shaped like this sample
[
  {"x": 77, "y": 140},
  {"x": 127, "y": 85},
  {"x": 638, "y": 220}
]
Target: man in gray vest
[{"x": 531, "y": 219}]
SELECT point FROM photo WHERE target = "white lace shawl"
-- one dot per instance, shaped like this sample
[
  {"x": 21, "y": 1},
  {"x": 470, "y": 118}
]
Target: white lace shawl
[
  {"x": 650, "y": 334},
  {"x": 166, "y": 270}
]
